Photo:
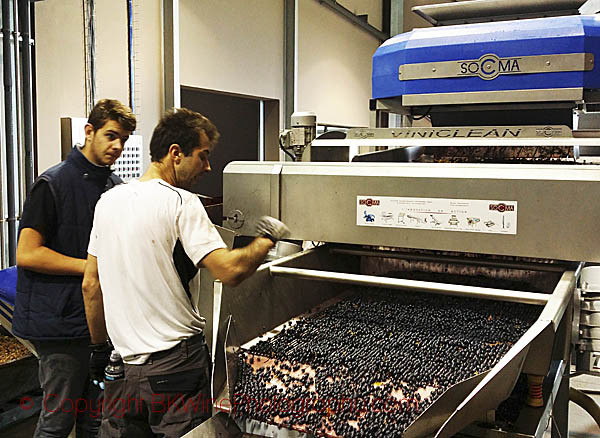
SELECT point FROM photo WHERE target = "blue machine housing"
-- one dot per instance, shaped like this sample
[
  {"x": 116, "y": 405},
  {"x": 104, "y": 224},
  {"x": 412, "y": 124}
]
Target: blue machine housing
[{"x": 540, "y": 36}]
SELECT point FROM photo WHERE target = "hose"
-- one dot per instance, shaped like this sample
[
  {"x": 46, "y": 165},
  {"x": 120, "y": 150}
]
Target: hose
[
  {"x": 284, "y": 149},
  {"x": 585, "y": 402}
]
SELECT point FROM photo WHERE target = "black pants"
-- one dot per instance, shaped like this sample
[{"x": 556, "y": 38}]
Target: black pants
[
  {"x": 69, "y": 397},
  {"x": 166, "y": 397}
]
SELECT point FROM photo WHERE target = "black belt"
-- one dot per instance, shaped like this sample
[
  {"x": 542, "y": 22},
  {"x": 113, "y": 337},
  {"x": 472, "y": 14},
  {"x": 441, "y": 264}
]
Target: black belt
[{"x": 193, "y": 340}]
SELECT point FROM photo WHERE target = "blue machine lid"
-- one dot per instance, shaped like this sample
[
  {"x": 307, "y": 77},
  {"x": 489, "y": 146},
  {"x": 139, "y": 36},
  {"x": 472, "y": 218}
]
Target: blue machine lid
[{"x": 506, "y": 39}]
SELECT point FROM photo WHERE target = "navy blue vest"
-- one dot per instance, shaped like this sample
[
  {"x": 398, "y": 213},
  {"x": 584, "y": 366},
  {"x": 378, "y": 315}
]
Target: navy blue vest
[{"x": 50, "y": 307}]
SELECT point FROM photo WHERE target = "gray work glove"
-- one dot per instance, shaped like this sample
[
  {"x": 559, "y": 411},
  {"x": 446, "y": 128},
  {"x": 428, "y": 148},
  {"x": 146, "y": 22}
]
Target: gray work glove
[{"x": 272, "y": 228}]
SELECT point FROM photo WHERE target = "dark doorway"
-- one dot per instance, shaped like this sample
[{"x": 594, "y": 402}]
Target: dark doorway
[{"x": 238, "y": 120}]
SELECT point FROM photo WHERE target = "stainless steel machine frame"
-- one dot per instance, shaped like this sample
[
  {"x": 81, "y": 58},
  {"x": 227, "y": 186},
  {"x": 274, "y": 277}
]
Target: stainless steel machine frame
[
  {"x": 288, "y": 287},
  {"x": 293, "y": 285},
  {"x": 318, "y": 201},
  {"x": 556, "y": 230}
]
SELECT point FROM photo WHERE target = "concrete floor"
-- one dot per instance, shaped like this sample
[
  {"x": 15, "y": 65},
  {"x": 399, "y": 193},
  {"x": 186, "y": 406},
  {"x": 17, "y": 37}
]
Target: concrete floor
[{"x": 581, "y": 425}]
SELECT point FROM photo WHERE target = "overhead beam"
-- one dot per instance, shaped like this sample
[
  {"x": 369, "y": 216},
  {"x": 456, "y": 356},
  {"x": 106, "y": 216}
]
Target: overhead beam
[{"x": 353, "y": 18}]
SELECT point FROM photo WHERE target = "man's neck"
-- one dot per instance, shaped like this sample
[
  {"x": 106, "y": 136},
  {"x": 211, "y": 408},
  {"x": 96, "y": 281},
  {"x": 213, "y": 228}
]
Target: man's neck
[
  {"x": 158, "y": 170},
  {"x": 85, "y": 151}
]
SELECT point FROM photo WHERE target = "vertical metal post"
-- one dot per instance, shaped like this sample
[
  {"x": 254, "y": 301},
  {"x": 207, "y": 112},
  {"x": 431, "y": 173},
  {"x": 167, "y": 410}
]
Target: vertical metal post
[
  {"x": 397, "y": 27},
  {"x": 171, "y": 53},
  {"x": 10, "y": 126},
  {"x": 25, "y": 25},
  {"x": 562, "y": 351},
  {"x": 289, "y": 60},
  {"x": 560, "y": 410},
  {"x": 89, "y": 33},
  {"x": 20, "y": 159},
  {"x": 379, "y": 119},
  {"x": 130, "y": 55},
  {"x": 261, "y": 130},
  {"x": 216, "y": 319},
  {"x": 386, "y": 20},
  {"x": 396, "y": 17},
  {"x": 3, "y": 193}
]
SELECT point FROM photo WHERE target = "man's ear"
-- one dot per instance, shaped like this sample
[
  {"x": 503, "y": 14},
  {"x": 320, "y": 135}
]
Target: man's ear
[
  {"x": 175, "y": 153},
  {"x": 89, "y": 131}
]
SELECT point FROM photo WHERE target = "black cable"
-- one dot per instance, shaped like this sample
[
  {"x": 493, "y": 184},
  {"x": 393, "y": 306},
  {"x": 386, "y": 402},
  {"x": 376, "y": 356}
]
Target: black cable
[
  {"x": 421, "y": 117},
  {"x": 286, "y": 152}
]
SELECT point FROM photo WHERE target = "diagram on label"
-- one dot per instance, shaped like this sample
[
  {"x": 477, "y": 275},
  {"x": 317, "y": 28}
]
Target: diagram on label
[
  {"x": 414, "y": 219},
  {"x": 387, "y": 217},
  {"x": 440, "y": 214},
  {"x": 472, "y": 221},
  {"x": 453, "y": 221},
  {"x": 433, "y": 220}
]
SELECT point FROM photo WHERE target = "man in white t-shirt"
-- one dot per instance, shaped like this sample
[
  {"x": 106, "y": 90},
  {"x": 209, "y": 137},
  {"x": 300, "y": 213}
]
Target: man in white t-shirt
[{"x": 148, "y": 239}]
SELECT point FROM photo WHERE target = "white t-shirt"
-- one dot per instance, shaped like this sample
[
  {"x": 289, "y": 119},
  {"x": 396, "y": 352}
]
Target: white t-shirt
[{"x": 143, "y": 269}]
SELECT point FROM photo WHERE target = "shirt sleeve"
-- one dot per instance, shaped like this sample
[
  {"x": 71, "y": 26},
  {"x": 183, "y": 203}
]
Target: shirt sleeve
[
  {"x": 39, "y": 211},
  {"x": 198, "y": 235}
]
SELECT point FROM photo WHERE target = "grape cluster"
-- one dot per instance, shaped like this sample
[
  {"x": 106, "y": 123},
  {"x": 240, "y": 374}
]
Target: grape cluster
[{"x": 370, "y": 364}]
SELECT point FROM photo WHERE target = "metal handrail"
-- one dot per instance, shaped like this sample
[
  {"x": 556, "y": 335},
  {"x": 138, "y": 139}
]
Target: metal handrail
[{"x": 412, "y": 285}]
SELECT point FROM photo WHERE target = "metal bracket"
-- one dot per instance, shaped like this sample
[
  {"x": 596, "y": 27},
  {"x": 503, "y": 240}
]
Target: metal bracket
[
  {"x": 577, "y": 300},
  {"x": 275, "y": 183},
  {"x": 217, "y": 298},
  {"x": 235, "y": 219}
]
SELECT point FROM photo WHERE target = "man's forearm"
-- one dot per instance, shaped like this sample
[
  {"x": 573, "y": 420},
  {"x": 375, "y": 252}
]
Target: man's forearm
[
  {"x": 232, "y": 267},
  {"x": 47, "y": 261},
  {"x": 94, "y": 312},
  {"x": 93, "y": 302},
  {"x": 253, "y": 255}
]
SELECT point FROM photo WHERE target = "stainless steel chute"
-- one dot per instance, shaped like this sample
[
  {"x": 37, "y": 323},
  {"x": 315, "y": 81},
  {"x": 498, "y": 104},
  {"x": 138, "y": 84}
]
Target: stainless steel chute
[{"x": 281, "y": 291}]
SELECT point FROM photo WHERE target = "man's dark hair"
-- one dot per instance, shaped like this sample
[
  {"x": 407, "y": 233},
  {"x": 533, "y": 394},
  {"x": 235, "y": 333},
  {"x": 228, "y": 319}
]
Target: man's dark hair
[
  {"x": 111, "y": 109},
  {"x": 183, "y": 127}
]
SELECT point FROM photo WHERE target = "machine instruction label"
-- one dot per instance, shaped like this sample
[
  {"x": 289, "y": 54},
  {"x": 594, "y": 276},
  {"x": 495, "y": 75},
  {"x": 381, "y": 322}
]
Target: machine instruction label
[{"x": 469, "y": 215}]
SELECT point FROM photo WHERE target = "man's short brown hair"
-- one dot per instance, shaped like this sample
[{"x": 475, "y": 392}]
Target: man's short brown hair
[
  {"x": 111, "y": 109},
  {"x": 183, "y": 127}
]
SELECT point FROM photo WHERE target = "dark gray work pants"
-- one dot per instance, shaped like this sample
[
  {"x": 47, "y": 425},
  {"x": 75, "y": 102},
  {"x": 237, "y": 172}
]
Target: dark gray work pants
[
  {"x": 69, "y": 397},
  {"x": 167, "y": 396}
]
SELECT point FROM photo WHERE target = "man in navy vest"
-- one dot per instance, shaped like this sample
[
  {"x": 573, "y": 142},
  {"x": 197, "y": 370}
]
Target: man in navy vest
[{"x": 51, "y": 256}]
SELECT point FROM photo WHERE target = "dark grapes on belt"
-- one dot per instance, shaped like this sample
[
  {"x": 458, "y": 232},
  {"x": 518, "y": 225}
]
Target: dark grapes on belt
[{"x": 370, "y": 364}]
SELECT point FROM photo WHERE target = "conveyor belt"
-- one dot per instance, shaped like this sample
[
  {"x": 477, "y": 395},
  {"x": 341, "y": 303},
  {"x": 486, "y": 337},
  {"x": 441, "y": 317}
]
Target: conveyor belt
[{"x": 370, "y": 364}]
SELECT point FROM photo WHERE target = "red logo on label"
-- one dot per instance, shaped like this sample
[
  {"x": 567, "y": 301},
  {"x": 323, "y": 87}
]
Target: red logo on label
[
  {"x": 368, "y": 202},
  {"x": 502, "y": 207}
]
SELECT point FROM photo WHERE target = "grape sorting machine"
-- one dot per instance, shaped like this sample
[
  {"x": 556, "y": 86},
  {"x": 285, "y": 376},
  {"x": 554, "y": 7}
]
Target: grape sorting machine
[{"x": 495, "y": 206}]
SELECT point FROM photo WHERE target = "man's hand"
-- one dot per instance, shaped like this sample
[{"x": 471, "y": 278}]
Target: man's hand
[
  {"x": 99, "y": 357},
  {"x": 272, "y": 228}
]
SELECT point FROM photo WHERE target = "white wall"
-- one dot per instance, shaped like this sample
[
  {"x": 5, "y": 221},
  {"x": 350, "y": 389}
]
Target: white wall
[
  {"x": 237, "y": 46},
  {"x": 111, "y": 50},
  {"x": 60, "y": 64},
  {"x": 334, "y": 66},
  {"x": 234, "y": 46},
  {"x": 59, "y": 57},
  {"x": 149, "y": 90}
]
